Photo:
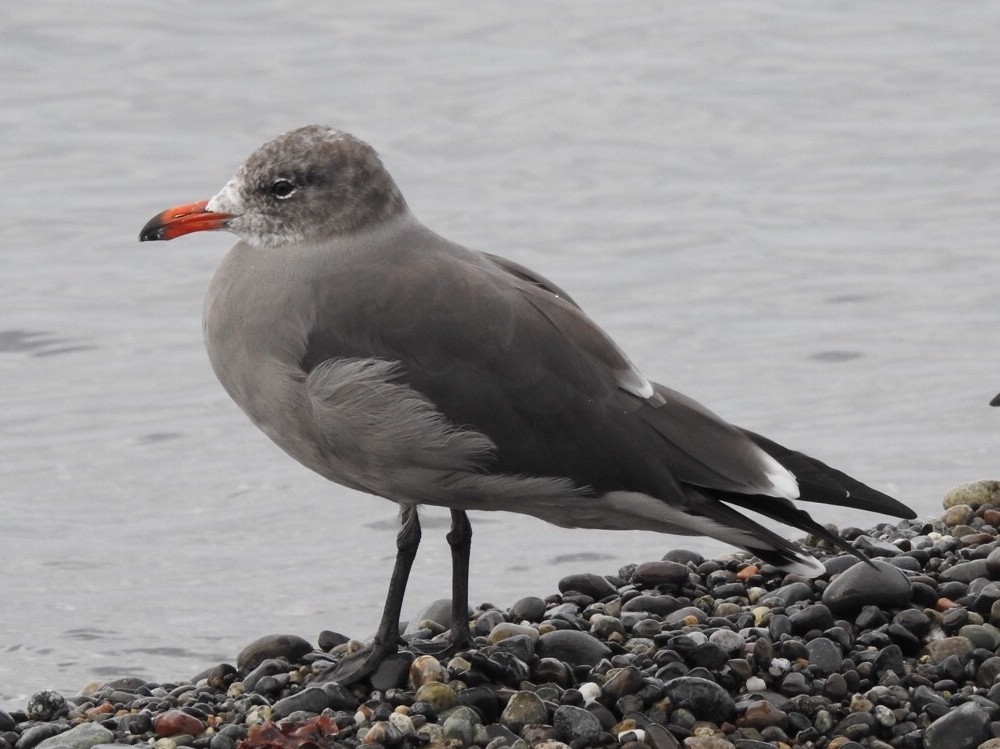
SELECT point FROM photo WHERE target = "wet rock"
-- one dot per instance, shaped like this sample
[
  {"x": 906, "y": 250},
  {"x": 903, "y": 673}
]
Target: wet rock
[
  {"x": 46, "y": 705},
  {"x": 965, "y": 572},
  {"x": 705, "y": 699},
  {"x": 529, "y": 608},
  {"x": 176, "y": 722},
  {"x": 651, "y": 574},
  {"x": 289, "y": 647},
  {"x": 576, "y": 725},
  {"x": 595, "y": 586},
  {"x": 824, "y": 654},
  {"x": 440, "y": 696},
  {"x": 574, "y": 647},
  {"x": 312, "y": 700},
  {"x": 963, "y": 727},
  {"x": 877, "y": 584},
  {"x": 34, "y": 735},
  {"x": 460, "y": 724},
  {"x": 523, "y": 708},
  {"x": 82, "y": 736}
]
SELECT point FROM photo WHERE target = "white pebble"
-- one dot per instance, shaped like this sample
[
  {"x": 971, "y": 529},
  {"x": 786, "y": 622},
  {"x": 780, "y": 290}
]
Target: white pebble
[
  {"x": 590, "y": 691},
  {"x": 756, "y": 684},
  {"x": 779, "y": 666}
]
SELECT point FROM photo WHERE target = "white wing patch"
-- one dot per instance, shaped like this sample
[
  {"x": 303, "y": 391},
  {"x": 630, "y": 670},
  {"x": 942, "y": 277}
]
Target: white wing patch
[
  {"x": 783, "y": 482},
  {"x": 632, "y": 381}
]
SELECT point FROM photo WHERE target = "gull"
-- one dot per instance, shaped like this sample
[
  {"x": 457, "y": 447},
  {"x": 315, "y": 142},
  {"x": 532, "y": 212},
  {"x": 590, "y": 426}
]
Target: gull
[{"x": 391, "y": 360}]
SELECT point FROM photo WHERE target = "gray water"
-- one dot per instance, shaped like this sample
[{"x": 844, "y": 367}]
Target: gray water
[{"x": 789, "y": 211}]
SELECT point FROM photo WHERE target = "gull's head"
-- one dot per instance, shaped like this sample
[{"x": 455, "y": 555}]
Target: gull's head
[{"x": 306, "y": 185}]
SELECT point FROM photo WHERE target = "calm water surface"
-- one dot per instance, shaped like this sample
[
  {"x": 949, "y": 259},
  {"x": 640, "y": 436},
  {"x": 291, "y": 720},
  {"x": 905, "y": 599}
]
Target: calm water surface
[{"x": 788, "y": 211}]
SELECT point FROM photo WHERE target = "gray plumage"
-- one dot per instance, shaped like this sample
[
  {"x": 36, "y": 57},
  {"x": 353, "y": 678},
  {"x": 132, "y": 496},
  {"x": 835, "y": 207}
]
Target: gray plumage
[{"x": 391, "y": 360}]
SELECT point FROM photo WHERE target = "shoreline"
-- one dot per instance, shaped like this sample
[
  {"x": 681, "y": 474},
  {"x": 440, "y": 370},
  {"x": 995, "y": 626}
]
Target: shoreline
[{"x": 683, "y": 651}]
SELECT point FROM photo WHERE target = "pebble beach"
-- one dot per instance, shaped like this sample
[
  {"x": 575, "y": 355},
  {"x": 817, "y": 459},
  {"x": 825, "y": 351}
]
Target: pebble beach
[{"x": 683, "y": 651}]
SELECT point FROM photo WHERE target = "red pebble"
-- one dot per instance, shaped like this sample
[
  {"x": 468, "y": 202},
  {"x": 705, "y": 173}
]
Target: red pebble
[{"x": 175, "y": 722}]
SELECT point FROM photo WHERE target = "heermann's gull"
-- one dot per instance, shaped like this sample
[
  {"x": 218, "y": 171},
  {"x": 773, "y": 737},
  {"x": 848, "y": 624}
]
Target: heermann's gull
[{"x": 390, "y": 360}]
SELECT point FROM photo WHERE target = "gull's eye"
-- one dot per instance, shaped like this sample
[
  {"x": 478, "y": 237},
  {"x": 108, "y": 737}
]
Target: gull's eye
[{"x": 281, "y": 189}]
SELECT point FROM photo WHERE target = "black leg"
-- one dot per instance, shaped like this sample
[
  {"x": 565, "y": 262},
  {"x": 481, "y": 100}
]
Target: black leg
[
  {"x": 460, "y": 540},
  {"x": 363, "y": 663}
]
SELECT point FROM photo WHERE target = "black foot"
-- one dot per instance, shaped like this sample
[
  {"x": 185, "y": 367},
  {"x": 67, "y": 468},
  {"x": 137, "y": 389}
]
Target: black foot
[{"x": 359, "y": 665}]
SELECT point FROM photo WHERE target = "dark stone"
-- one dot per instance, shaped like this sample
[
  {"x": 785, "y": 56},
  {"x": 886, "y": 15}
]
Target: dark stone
[
  {"x": 870, "y": 617},
  {"x": 588, "y": 584},
  {"x": 483, "y": 700},
  {"x": 824, "y": 655},
  {"x": 795, "y": 683},
  {"x": 651, "y": 574},
  {"x": 658, "y": 605},
  {"x": 311, "y": 700},
  {"x": 392, "y": 672},
  {"x": 576, "y": 725},
  {"x": 35, "y": 735},
  {"x": 963, "y": 727},
  {"x": 889, "y": 658},
  {"x": 328, "y": 640},
  {"x": 267, "y": 668},
  {"x": 576, "y": 648},
  {"x": 836, "y": 687},
  {"x": 530, "y": 608},
  {"x": 791, "y": 593},
  {"x": 659, "y": 737},
  {"x": 987, "y": 672},
  {"x": 815, "y": 616},
  {"x": 289, "y": 647},
  {"x": 340, "y": 697},
  {"x": 708, "y": 655},
  {"x": 705, "y": 699},
  {"x": 908, "y": 642},
  {"x": 877, "y": 584},
  {"x": 965, "y": 572},
  {"x": 47, "y": 705},
  {"x": 521, "y": 646},
  {"x": 686, "y": 556}
]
